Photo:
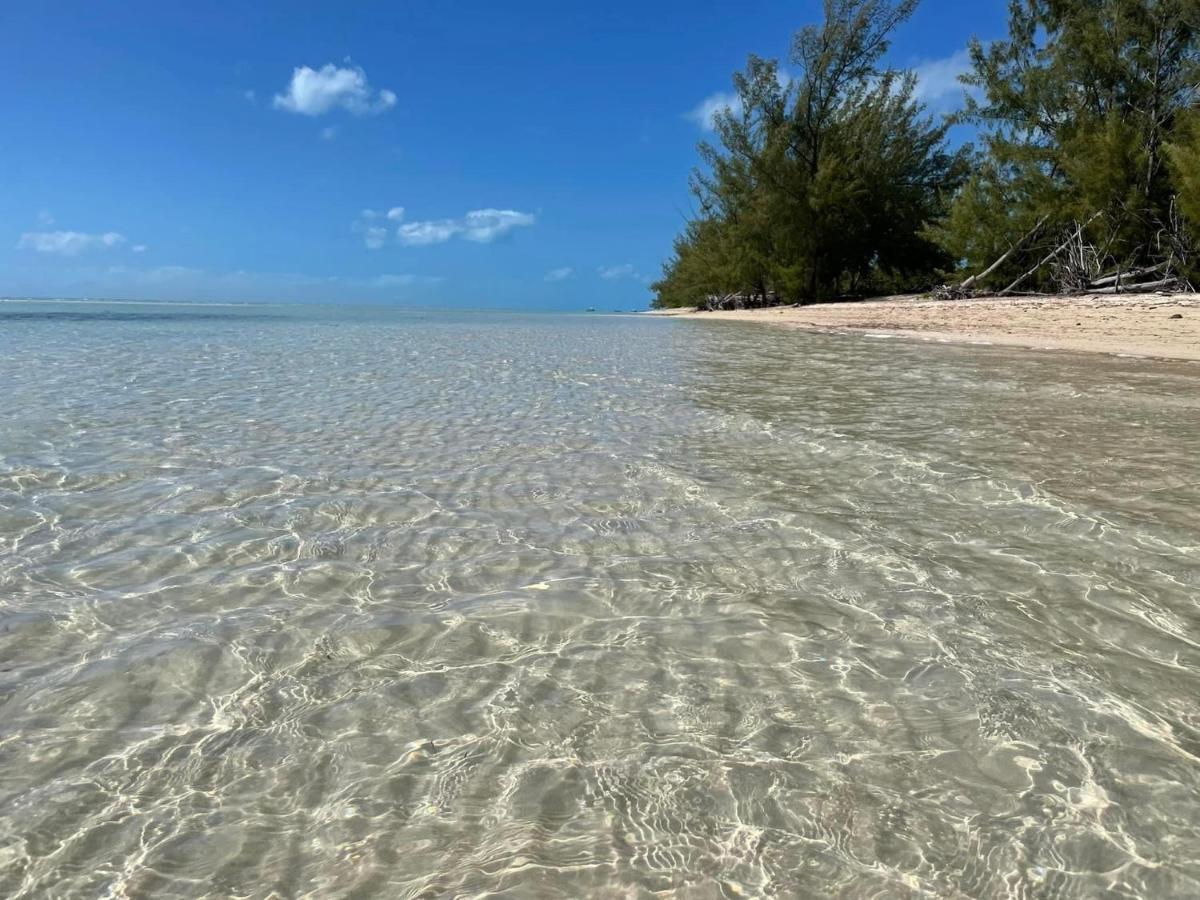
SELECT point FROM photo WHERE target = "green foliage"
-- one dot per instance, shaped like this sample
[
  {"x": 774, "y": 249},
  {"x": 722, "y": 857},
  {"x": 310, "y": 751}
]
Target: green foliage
[
  {"x": 825, "y": 183},
  {"x": 1078, "y": 107},
  {"x": 991, "y": 213},
  {"x": 1089, "y": 117},
  {"x": 1184, "y": 155}
]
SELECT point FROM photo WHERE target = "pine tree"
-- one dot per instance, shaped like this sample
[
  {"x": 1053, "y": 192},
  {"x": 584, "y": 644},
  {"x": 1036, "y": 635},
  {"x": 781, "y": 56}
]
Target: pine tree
[
  {"x": 1077, "y": 107},
  {"x": 821, "y": 183},
  {"x": 1184, "y": 155}
]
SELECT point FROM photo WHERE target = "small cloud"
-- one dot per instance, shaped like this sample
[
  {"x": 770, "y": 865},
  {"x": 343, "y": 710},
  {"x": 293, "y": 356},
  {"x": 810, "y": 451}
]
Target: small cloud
[
  {"x": 314, "y": 92},
  {"x": 328, "y": 134},
  {"x": 937, "y": 80},
  {"x": 67, "y": 243},
  {"x": 138, "y": 248},
  {"x": 44, "y": 219},
  {"x": 611, "y": 273},
  {"x": 485, "y": 225},
  {"x": 623, "y": 272},
  {"x": 705, "y": 113},
  {"x": 418, "y": 234},
  {"x": 562, "y": 274},
  {"x": 374, "y": 235},
  {"x": 480, "y": 225},
  {"x": 250, "y": 96}
]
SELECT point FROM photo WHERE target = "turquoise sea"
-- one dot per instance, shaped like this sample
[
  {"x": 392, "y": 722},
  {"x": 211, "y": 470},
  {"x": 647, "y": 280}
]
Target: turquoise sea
[{"x": 327, "y": 602}]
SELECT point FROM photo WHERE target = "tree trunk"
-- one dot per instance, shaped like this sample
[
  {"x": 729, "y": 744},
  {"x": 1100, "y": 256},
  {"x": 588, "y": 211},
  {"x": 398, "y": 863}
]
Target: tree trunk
[
  {"x": 966, "y": 285},
  {"x": 1137, "y": 288},
  {"x": 1061, "y": 247},
  {"x": 1123, "y": 278}
]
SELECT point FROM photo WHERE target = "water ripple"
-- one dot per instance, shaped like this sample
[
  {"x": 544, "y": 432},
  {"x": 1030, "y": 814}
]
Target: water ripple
[{"x": 364, "y": 603}]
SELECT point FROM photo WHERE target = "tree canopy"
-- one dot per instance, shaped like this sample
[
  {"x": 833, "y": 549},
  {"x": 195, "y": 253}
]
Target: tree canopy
[
  {"x": 830, "y": 177},
  {"x": 1080, "y": 109},
  {"x": 822, "y": 181}
]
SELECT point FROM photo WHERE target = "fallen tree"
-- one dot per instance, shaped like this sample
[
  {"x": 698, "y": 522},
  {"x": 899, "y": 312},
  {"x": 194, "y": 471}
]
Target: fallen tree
[{"x": 739, "y": 300}]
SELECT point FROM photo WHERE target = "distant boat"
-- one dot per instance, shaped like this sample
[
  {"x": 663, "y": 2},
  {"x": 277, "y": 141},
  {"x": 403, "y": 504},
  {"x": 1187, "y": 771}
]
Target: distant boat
[{"x": 591, "y": 309}]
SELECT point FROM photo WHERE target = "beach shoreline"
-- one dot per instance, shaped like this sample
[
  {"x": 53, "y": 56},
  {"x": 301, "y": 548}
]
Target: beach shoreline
[{"x": 1144, "y": 325}]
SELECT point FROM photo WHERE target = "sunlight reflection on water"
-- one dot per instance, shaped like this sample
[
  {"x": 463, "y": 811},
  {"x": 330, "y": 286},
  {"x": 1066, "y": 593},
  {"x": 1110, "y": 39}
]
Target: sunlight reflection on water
[{"x": 416, "y": 604}]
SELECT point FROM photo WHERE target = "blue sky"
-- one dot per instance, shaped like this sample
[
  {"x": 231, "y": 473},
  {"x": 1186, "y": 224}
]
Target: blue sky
[{"x": 458, "y": 153}]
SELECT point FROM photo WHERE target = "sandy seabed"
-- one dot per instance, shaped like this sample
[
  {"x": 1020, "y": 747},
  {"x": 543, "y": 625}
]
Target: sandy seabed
[{"x": 1151, "y": 325}]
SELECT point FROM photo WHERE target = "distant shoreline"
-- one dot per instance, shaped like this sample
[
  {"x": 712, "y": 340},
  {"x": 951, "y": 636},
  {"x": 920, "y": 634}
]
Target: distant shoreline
[{"x": 1128, "y": 324}]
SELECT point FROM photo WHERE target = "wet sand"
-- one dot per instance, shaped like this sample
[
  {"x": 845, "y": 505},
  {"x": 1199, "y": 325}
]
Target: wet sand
[{"x": 1149, "y": 325}]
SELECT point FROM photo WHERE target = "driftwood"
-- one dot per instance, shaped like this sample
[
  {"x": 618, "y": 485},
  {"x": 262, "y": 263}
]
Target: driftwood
[
  {"x": 969, "y": 283},
  {"x": 949, "y": 292},
  {"x": 1162, "y": 284},
  {"x": 1074, "y": 269},
  {"x": 739, "y": 300},
  {"x": 1126, "y": 278},
  {"x": 1078, "y": 264},
  {"x": 1050, "y": 256}
]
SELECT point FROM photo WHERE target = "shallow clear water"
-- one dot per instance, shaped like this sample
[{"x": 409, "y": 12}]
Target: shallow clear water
[{"x": 329, "y": 603}]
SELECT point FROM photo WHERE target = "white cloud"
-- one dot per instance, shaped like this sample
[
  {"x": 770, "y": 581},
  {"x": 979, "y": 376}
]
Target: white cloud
[
  {"x": 313, "y": 92},
  {"x": 480, "y": 225},
  {"x": 67, "y": 243},
  {"x": 328, "y": 134},
  {"x": 418, "y": 234},
  {"x": 705, "y": 113},
  {"x": 138, "y": 248},
  {"x": 485, "y": 225},
  {"x": 937, "y": 80},
  {"x": 937, "y": 86},
  {"x": 623, "y": 272},
  {"x": 611, "y": 273},
  {"x": 251, "y": 96},
  {"x": 560, "y": 274},
  {"x": 374, "y": 235}
]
